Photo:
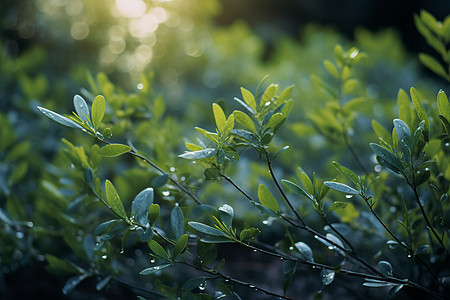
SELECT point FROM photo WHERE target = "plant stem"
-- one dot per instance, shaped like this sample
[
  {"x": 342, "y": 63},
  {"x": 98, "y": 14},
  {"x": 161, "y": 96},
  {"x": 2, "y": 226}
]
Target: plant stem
[
  {"x": 408, "y": 249},
  {"x": 414, "y": 188},
  {"x": 269, "y": 165},
  {"x": 304, "y": 226},
  {"x": 234, "y": 280},
  {"x": 181, "y": 187}
]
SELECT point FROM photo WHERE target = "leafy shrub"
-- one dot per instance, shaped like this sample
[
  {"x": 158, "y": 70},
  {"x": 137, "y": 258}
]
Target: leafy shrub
[{"x": 244, "y": 193}]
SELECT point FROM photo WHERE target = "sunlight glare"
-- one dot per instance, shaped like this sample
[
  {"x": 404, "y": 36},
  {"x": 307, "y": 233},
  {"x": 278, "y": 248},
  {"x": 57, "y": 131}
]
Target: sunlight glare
[{"x": 131, "y": 8}]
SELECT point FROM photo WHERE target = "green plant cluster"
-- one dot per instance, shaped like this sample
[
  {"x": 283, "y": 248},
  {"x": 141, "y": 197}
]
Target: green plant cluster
[{"x": 319, "y": 185}]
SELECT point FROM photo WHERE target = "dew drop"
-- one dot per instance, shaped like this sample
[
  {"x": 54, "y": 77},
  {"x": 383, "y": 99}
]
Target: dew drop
[
  {"x": 166, "y": 193},
  {"x": 172, "y": 169},
  {"x": 447, "y": 144},
  {"x": 265, "y": 222},
  {"x": 291, "y": 248},
  {"x": 19, "y": 235},
  {"x": 152, "y": 261},
  {"x": 409, "y": 255},
  {"x": 140, "y": 86},
  {"x": 104, "y": 256},
  {"x": 122, "y": 251},
  {"x": 251, "y": 286},
  {"x": 331, "y": 247},
  {"x": 348, "y": 196},
  {"x": 202, "y": 286},
  {"x": 427, "y": 169}
]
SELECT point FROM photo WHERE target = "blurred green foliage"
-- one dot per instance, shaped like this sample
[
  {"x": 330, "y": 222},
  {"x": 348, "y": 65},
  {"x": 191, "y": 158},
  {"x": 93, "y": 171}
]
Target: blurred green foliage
[{"x": 159, "y": 83}]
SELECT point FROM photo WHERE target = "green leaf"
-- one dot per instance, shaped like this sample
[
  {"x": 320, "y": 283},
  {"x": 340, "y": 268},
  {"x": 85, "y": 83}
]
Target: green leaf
[
  {"x": 212, "y": 136},
  {"x": 113, "y": 150},
  {"x": 158, "y": 250},
  {"x": 418, "y": 134},
  {"x": 443, "y": 105},
  {"x": 103, "y": 283},
  {"x": 226, "y": 214},
  {"x": 153, "y": 213},
  {"x": 381, "y": 132},
  {"x": 206, "y": 229},
  {"x": 264, "y": 209},
  {"x": 331, "y": 68},
  {"x": 212, "y": 174},
  {"x": 59, "y": 118},
  {"x": 228, "y": 127},
  {"x": 430, "y": 21},
  {"x": 393, "y": 162},
  {"x": 347, "y": 172},
  {"x": 81, "y": 108},
  {"x": 199, "y": 154},
  {"x": 177, "y": 221},
  {"x": 432, "y": 64},
  {"x": 305, "y": 251},
  {"x": 266, "y": 199},
  {"x": 340, "y": 187},
  {"x": 275, "y": 121},
  {"x": 249, "y": 99},
  {"x": 114, "y": 200},
  {"x": 377, "y": 283},
  {"x": 216, "y": 239},
  {"x": 248, "y": 234},
  {"x": 403, "y": 133},
  {"x": 286, "y": 93},
  {"x": 337, "y": 205},
  {"x": 349, "y": 86},
  {"x": 104, "y": 226},
  {"x": 269, "y": 93},
  {"x": 307, "y": 183},
  {"x": 404, "y": 107},
  {"x": 97, "y": 111},
  {"x": 395, "y": 290},
  {"x": 219, "y": 117},
  {"x": 421, "y": 113},
  {"x": 243, "y": 119},
  {"x": 295, "y": 188},
  {"x": 61, "y": 267},
  {"x": 160, "y": 181},
  {"x": 154, "y": 269},
  {"x": 146, "y": 235},
  {"x": 180, "y": 245},
  {"x": 331, "y": 241},
  {"x": 141, "y": 205}
]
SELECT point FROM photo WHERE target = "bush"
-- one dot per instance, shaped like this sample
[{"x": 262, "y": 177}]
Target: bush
[{"x": 257, "y": 207}]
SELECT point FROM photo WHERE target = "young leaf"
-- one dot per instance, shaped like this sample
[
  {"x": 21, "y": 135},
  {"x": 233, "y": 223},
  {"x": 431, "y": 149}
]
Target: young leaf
[
  {"x": 275, "y": 121},
  {"x": 340, "y": 187},
  {"x": 286, "y": 93},
  {"x": 244, "y": 119},
  {"x": 180, "y": 245},
  {"x": 206, "y": 229},
  {"x": 347, "y": 172},
  {"x": 113, "y": 150},
  {"x": 141, "y": 205},
  {"x": 443, "y": 105},
  {"x": 219, "y": 117},
  {"x": 59, "y": 118},
  {"x": 432, "y": 64},
  {"x": 249, "y": 99},
  {"x": 269, "y": 93},
  {"x": 97, "y": 111},
  {"x": 205, "y": 153},
  {"x": 248, "y": 234},
  {"x": 81, "y": 108},
  {"x": 404, "y": 107},
  {"x": 307, "y": 183},
  {"x": 154, "y": 269},
  {"x": 295, "y": 188},
  {"x": 381, "y": 132},
  {"x": 421, "y": 113},
  {"x": 114, "y": 200},
  {"x": 177, "y": 221},
  {"x": 228, "y": 126},
  {"x": 266, "y": 199},
  {"x": 153, "y": 213},
  {"x": 331, "y": 68},
  {"x": 337, "y": 205},
  {"x": 226, "y": 214},
  {"x": 158, "y": 250}
]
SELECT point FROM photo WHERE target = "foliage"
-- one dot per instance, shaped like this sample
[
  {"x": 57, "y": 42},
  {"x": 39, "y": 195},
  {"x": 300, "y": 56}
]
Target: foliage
[{"x": 324, "y": 196}]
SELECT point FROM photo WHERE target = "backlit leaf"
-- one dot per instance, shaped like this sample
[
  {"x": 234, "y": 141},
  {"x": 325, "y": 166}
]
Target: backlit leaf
[
  {"x": 114, "y": 200},
  {"x": 266, "y": 199},
  {"x": 59, "y": 118},
  {"x": 81, "y": 108},
  {"x": 98, "y": 110}
]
